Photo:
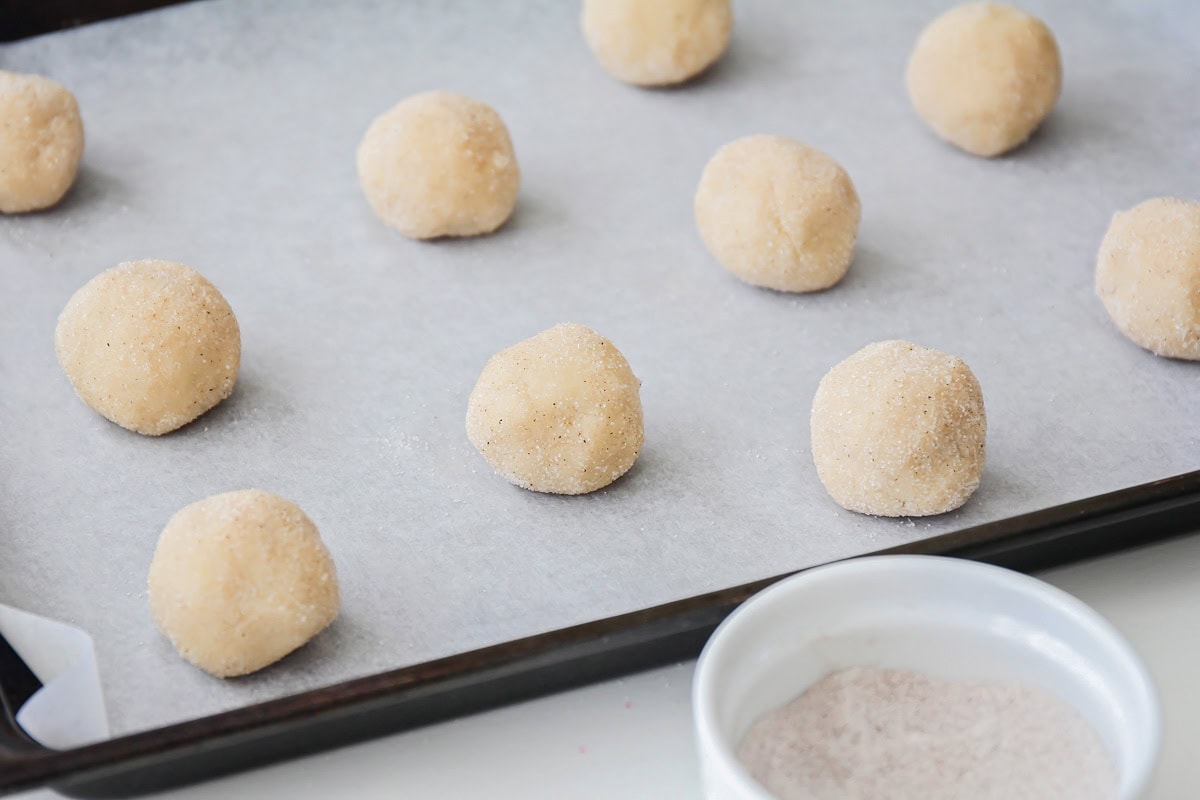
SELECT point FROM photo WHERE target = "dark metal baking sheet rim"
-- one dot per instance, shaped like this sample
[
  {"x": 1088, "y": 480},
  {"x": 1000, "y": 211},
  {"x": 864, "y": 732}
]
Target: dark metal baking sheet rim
[{"x": 502, "y": 674}]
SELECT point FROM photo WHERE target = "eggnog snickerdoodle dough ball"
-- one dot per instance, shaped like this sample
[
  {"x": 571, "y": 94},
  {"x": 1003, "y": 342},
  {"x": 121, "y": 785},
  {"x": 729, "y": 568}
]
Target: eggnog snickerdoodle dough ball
[
  {"x": 151, "y": 345},
  {"x": 898, "y": 430},
  {"x": 439, "y": 164},
  {"x": 1148, "y": 275},
  {"x": 239, "y": 580},
  {"x": 778, "y": 214},
  {"x": 657, "y": 42},
  {"x": 558, "y": 413},
  {"x": 41, "y": 142},
  {"x": 983, "y": 76}
]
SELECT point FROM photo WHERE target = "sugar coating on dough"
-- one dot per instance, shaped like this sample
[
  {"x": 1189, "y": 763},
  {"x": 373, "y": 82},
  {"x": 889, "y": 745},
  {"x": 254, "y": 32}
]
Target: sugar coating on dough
[
  {"x": 439, "y": 164},
  {"x": 559, "y": 412},
  {"x": 984, "y": 76},
  {"x": 778, "y": 214},
  {"x": 239, "y": 580},
  {"x": 899, "y": 430},
  {"x": 657, "y": 42},
  {"x": 150, "y": 345},
  {"x": 41, "y": 142},
  {"x": 1148, "y": 275}
]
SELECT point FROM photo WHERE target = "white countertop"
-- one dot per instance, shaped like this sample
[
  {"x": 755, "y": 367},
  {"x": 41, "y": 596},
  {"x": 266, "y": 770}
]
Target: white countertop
[{"x": 631, "y": 738}]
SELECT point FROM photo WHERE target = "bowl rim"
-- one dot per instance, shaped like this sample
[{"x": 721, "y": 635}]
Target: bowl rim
[{"x": 710, "y": 743}]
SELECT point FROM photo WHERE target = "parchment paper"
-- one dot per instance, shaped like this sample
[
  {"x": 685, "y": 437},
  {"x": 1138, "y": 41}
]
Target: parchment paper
[
  {"x": 68, "y": 710},
  {"x": 222, "y": 134}
]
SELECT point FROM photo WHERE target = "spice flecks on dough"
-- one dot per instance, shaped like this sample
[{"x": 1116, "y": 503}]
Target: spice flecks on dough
[
  {"x": 241, "y": 579},
  {"x": 984, "y": 76},
  {"x": 41, "y": 142},
  {"x": 778, "y": 214},
  {"x": 899, "y": 430},
  {"x": 559, "y": 412},
  {"x": 439, "y": 164},
  {"x": 1148, "y": 275},
  {"x": 151, "y": 345}
]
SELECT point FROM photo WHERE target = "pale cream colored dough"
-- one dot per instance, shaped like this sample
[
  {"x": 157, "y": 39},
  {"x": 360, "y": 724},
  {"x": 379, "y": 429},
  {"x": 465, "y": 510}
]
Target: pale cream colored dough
[
  {"x": 150, "y": 345},
  {"x": 657, "y": 42},
  {"x": 778, "y": 214},
  {"x": 898, "y": 430},
  {"x": 439, "y": 164},
  {"x": 984, "y": 76},
  {"x": 1148, "y": 275},
  {"x": 558, "y": 413},
  {"x": 41, "y": 142},
  {"x": 239, "y": 580}
]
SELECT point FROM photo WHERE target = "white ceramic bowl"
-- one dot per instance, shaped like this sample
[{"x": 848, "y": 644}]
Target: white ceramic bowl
[{"x": 945, "y": 617}]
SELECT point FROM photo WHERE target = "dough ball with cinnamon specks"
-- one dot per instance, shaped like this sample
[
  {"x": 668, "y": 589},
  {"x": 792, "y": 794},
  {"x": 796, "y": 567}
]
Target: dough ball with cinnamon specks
[
  {"x": 439, "y": 164},
  {"x": 151, "y": 345},
  {"x": 898, "y": 430},
  {"x": 41, "y": 142},
  {"x": 239, "y": 580},
  {"x": 983, "y": 76},
  {"x": 778, "y": 214},
  {"x": 558, "y": 413},
  {"x": 1148, "y": 275},
  {"x": 657, "y": 42}
]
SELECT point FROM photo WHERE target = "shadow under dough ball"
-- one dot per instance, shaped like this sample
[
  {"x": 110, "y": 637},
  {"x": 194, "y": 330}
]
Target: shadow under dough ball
[
  {"x": 1148, "y": 275},
  {"x": 239, "y": 580},
  {"x": 984, "y": 76},
  {"x": 41, "y": 142},
  {"x": 559, "y": 412},
  {"x": 150, "y": 345},
  {"x": 439, "y": 164},
  {"x": 778, "y": 214},
  {"x": 657, "y": 42},
  {"x": 898, "y": 430}
]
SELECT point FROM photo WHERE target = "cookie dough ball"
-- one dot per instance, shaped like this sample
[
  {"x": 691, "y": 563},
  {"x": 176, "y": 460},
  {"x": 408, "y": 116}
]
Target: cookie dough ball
[
  {"x": 657, "y": 42},
  {"x": 1148, "y": 276},
  {"x": 239, "y": 580},
  {"x": 983, "y": 76},
  {"x": 151, "y": 345},
  {"x": 439, "y": 164},
  {"x": 558, "y": 413},
  {"x": 898, "y": 431},
  {"x": 778, "y": 214},
  {"x": 41, "y": 142}
]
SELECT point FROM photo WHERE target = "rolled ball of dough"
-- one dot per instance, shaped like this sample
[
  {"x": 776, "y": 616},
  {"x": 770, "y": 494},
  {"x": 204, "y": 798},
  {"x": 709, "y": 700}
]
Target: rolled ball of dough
[
  {"x": 41, "y": 142},
  {"x": 983, "y": 76},
  {"x": 1148, "y": 275},
  {"x": 898, "y": 430},
  {"x": 439, "y": 164},
  {"x": 239, "y": 580},
  {"x": 558, "y": 413},
  {"x": 151, "y": 345},
  {"x": 778, "y": 214},
  {"x": 657, "y": 42}
]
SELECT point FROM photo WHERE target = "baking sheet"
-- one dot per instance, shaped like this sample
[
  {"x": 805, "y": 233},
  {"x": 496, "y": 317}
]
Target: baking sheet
[{"x": 222, "y": 134}]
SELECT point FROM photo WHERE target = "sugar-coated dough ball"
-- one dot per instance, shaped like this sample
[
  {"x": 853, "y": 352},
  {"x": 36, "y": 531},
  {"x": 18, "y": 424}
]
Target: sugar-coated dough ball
[
  {"x": 657, "y": 42},
  {"x": 898, "y": 430},
  {"x": 41, "y": 142},
  {"x": 151, "y": 345},
  {"x": 983, "y": 76},
  {"x": 439, "y": 164},
  {"x": 778, "y": 214},
  {"x": 1148, "y": 275},
  {"x": 239, "y": 580},
  {"x": 558, "y": 413}
]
